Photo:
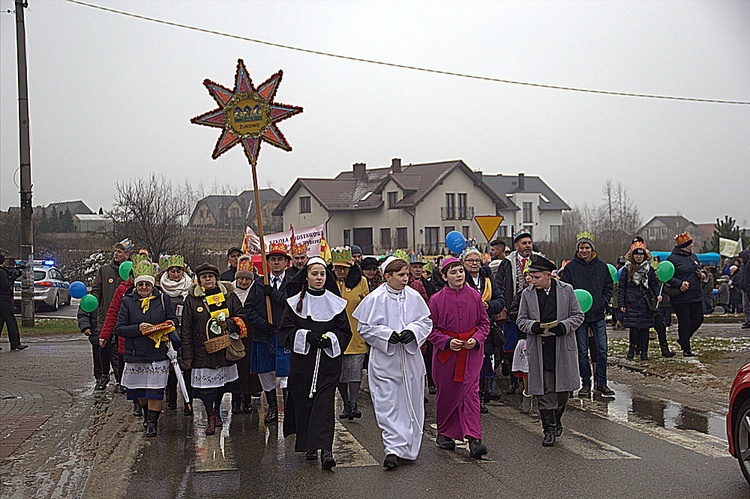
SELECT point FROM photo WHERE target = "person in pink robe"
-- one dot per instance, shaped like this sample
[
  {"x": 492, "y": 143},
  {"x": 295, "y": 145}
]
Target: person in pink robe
[{"x": 460, "y": 327}]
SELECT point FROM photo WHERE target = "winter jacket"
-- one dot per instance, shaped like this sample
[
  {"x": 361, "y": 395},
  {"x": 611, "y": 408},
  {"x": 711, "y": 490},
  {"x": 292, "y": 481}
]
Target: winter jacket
[
  {"x": 105, "y": 284},
  {"x": 110, "y": 320},
  {"x": 7, "y": 276},
  {"x": 256, "y": 312},
  {"x": 745, "y": 279},
  {"x": 87, "y": 320},
  {"x": 195, "y": 317},
  {"x": 140, "y": 348},
  {"x": 594, "y": 277},
  {"x": 633, "y": 296},
  {"x": 686, "y": 267}
]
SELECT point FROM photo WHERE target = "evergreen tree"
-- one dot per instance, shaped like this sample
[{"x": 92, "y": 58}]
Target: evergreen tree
[
  {"x": 66, "y": 221},
  {"x": 728, "y": 229}
]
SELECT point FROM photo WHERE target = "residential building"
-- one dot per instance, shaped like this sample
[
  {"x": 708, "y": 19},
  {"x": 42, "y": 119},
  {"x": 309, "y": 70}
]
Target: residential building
[
  {"x": 92, "y": 223},
  {"x": 659, "y": 232},
  {"x": 401, "y": 206},
  {"x": 234, "y": 212},
  {"x": 77, "y": 207},
  {"x": 531, "y": 204}
]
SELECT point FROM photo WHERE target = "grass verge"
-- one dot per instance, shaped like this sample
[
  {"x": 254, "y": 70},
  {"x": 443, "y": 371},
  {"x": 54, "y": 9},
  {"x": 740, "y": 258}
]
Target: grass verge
[{"x": 44, "y": 327}]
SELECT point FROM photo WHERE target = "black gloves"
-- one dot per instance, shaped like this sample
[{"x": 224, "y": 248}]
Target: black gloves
[
  {"x": 269, "y": 328},
  {"x": 536, "y": 328},
  {"x": 323, "y": 342},
  {"x": 395, "y": 338},
  {"x": 559, "y": 330},
  {"x": 407, "y": 336},
  {"x": 267, "y": 290}
]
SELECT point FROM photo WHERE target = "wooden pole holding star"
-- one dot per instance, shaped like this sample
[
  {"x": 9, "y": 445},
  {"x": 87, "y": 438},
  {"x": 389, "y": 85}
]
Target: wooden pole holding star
[{"x": 248, "y": 115}]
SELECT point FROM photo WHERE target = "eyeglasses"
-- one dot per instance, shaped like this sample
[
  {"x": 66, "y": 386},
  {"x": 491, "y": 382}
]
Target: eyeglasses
[{"x": 473, "y": 261}]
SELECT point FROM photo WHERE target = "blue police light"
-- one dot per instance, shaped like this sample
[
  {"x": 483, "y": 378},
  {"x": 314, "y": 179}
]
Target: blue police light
[{"x": 49, "y": 262}]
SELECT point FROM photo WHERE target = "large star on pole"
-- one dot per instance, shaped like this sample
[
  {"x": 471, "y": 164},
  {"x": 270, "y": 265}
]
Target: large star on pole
[{"x": 247, "y": 115}]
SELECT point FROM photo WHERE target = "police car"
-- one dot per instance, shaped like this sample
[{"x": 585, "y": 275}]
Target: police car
[{"x": 50, "y": 287}]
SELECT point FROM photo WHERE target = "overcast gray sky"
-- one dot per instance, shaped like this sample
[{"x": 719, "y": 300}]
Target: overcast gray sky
[{"x": 111, "y": 97}]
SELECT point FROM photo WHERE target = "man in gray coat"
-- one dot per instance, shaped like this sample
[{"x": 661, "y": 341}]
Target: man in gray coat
[{"x": 550, "y": 314}]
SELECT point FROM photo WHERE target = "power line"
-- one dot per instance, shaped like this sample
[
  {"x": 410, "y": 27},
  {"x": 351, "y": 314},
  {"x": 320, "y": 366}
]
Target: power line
[{"x": 412, "y": 68}]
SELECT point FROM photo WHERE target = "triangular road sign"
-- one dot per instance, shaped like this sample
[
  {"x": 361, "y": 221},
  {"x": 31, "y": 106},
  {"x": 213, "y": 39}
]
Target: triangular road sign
[{"x": 488, "y": 224}]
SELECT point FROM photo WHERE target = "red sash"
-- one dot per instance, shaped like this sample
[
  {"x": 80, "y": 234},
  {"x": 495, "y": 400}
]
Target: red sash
[{"x": 458, "y": 372}]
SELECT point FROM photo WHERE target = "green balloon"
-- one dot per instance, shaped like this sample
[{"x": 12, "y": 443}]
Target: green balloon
[
  {"x": 612, "y": 272},
  {"x": 124, "y": 270},
  {"x": 89, "y": 303},
  {"x": 665, "y": 271},
  {"x": 584, "y": 299}
]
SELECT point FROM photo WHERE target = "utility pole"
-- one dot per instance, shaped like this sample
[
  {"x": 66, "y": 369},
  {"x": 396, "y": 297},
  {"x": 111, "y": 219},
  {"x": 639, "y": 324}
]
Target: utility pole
[{"x": 27, "y": 228}]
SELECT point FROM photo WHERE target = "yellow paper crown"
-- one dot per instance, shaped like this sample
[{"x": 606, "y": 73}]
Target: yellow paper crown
[
  {"x": 585, "y": 235},
  {"x": 277, "y": 248}
]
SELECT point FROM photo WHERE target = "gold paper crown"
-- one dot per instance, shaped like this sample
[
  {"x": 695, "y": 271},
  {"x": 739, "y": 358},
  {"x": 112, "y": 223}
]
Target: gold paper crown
[
  {"x": 166, "y": 262},
  {"x": 342, "y": 255},
  {"x": 143, "y": 267},
  {"x": 637, "y": 245},
  {"x": 401, "y": 254},
  {"x": 245, "y": 264},
  {"x": 298, "y": 249},
  {"x": 137, "y": 258},
  {"x": 585, "y": 235},
  {"x": 278, "y": 248},
  {"x": 683, "y": 238}
]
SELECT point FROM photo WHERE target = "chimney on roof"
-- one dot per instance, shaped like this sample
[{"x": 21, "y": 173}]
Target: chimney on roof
[
  {"x": 521, "y": 182},
  {"x": 396, "y": 165},
  {"x": 360, "y": 170}
]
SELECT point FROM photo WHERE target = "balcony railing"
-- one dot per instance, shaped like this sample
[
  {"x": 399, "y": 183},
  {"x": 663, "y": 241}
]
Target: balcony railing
[{"x": 457, "y": 212}]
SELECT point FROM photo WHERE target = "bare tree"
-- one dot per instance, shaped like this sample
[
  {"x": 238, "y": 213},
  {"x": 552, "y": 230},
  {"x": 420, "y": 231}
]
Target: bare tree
[{"x": 152, "y": 213}]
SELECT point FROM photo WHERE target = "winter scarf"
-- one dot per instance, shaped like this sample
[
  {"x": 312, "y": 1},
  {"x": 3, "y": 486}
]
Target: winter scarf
[
  {"x": 640, "y": 275},
  {"x": 173, "y": 289}
]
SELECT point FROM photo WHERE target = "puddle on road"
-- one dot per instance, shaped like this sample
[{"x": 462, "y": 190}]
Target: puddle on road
[{"x": 665, "y": 413}]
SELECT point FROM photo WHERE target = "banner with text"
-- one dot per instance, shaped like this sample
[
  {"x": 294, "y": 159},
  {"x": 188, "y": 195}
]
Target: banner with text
[{"x": 308, "y": 235}]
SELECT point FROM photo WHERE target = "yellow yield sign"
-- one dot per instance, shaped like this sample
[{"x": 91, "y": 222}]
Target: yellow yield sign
[{"x": 488, "y": 224}]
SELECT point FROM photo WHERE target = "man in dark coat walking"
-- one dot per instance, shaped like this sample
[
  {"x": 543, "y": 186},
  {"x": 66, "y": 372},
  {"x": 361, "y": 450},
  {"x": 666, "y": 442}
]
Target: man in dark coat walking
[
  {"x": 587, "y": 272},
  {"x": 688, "y": 275}
]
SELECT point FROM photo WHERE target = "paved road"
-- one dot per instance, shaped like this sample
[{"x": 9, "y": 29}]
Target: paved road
[{"x": 91, "y": 446}]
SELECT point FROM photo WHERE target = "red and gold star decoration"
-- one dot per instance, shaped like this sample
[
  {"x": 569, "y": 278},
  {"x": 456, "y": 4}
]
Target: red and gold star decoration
[{"x": 247, "y": 115}]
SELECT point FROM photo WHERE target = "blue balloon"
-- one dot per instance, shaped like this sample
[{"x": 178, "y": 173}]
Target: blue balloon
[
  {"x": 77, "y": 289},
  {"x": 455, "y": 241},
  {"x": 619, "y": 273}
]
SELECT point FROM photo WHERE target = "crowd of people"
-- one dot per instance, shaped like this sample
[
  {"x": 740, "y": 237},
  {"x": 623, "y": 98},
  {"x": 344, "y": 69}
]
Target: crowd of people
[{"x": 453, "y": 327}]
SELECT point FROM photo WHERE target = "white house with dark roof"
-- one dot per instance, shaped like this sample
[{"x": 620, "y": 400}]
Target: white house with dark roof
[
  {"x": 401, "y": 206},
  {"x": 234, "y": 212},
  {"x": 532, "y": 205},
  {"x": 659, "y": 232}
]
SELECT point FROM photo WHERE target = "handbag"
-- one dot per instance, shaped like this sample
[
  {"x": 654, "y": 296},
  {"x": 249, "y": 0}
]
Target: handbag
[
  {"x": 670, "y": 291},
  {"x": 651, "y": 301},
  {"x": 235, "y": 350}
]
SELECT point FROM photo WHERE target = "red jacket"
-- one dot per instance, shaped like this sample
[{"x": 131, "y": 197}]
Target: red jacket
[{"x": 110, "y": 321}]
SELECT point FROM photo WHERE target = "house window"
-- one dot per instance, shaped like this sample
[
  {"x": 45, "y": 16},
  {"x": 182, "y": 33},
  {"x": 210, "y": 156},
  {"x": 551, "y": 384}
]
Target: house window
[
  {"x": 663, "y": 232},
  {"x": 450, "y": 207},
  {"x": 462, "y": 206},
  {"x": 402, "y": 239},
  {"x": 448, "y": 229},
  {"x": 554, "y": 233},
  {"x": 465, "y": 231},
  {"x": 385, "y": 238},
  {"x": 527, "y": 214},
  {"x": 502, "y": 231},
  {"x": 347, "y": 237},
  {"x": 304, "y": 204},
  {"x": 432, "y": 240},
  {"x": 392, "y": 198}
]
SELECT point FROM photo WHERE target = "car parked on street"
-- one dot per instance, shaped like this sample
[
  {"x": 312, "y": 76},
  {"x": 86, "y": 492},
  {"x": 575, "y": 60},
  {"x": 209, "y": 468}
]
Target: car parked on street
[
  {"x": 738, "y": 420},
  {"x": 50, "y": 286}
]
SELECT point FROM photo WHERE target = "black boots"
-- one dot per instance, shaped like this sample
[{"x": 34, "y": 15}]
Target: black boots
[
  {"x": 356, "y": 413},
  {"x": 550, "y": 427},
  {"x": 273, "y": 414},
  {"x": 347, "y": 413},
  {"x": 246, "y": 403},
  {"x": 236, "y": 403},
  {"x": 476, "y": 448},
  {"x": 137, "y": 411},
  {"x": 326, "y": 460},
  {"x": 151, "y": 423},
  {"x": 144, "y": 413},
  {"x": 558, "y": 420},
  {"x": 171, "y": 399},
  {"x": 512, "y": 385},
  {"x": 631, "y": 352}
]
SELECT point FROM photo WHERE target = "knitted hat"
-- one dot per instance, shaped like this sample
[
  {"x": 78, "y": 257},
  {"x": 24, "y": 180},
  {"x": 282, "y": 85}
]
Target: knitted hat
[
  {"x": 244, "y": 267},
  {"x": 683, "y": 240},
  {"x": 585, "y": 237},
  {"x": 144, "y": 271},
  {"x": 369, "y": 263},
  {"x": 342, "y": 255},
  {"x": 356, "y": 250}
]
